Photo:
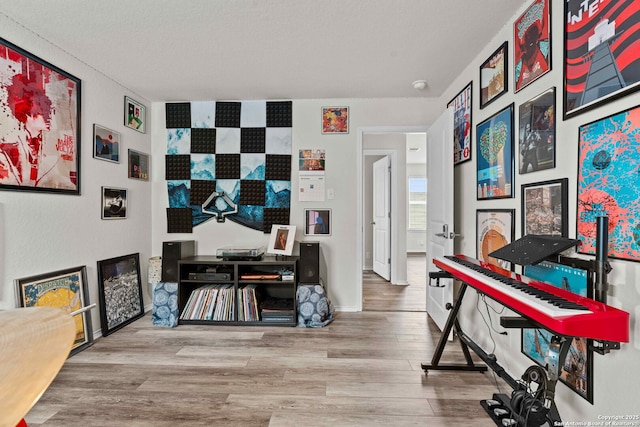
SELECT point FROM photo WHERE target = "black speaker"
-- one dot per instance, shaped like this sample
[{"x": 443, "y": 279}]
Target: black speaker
[
  {"x": 309, "y": 264},
  {"x": 172, "y": 252}
]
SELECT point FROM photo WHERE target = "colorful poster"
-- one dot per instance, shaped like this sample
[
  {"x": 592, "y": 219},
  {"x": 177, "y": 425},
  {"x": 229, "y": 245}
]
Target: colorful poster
[
  {"x": 601, "y": 52},
  {"x": 532, "y": 44},
  {"x": 39, "y": 124},
  {"x": 537, "y": 133},
  {"x": 462, "y": 125},
  {"x": 494, "y": 154},
  {"x": 609, "y": 183},
  {"x": 495, "y": 229}
]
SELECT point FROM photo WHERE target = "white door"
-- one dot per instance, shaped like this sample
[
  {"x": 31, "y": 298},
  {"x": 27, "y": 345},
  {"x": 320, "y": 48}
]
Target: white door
[
  {"x": 440, "y": 231},
  {"x": 382, "y": 217}
]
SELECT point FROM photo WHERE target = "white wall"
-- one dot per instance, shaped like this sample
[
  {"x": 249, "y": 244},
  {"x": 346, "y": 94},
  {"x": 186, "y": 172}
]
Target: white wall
[
  {"x": 616, "y": 375},
  {"x": 338, "y": 250},
  {"x": 40, "y": 232}
]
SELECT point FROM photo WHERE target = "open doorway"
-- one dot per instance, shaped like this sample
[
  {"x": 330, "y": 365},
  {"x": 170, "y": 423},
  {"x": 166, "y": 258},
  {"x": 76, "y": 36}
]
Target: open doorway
[{"x": 406, "y": 288}]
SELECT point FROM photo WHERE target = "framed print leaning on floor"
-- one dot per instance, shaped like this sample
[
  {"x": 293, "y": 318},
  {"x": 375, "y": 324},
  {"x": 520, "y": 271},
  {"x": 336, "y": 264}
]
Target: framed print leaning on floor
[
  {"x": 120, "y": 292},
  {"x": 66, "y": 289}
]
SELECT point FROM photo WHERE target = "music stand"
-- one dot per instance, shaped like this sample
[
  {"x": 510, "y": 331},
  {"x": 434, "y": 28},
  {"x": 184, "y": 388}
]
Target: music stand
[{"x": 532, "y": 248}]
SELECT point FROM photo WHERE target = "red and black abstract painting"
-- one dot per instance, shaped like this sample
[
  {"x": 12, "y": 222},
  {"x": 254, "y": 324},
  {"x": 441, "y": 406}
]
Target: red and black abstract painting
[
  {"x": 601, "y": 52},
  {"x": 39, "y": 124}
]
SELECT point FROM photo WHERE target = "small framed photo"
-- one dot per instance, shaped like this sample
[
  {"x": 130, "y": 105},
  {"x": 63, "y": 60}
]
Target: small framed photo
[
  {"x": 537, "y": 132},
  {"x": 317, "y": 222},
  {"x": 106, "y": 144},
  {"x": 66, "y": 289},
  {"x": 462, "y": 124},
  {"x": 495, "y": 228},
  {"x": 134, "y": 115},
  {"x": 114, "y": 203},
  {"x": 335, "y": 120},
  {"x": 120, "y": 292},
  {"x": 544, "y": 208},
  {"x": 493, "y": 76},
  {"x": 138, "y": 165},
  {"x": 281, "y": 239}
]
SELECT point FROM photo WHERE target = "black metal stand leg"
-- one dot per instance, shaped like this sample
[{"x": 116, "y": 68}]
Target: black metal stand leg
[{"x": 453, "y": 324}]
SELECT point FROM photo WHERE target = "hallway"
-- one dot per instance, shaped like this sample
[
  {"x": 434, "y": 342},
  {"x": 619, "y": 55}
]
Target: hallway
[{"x": 380, "y": 295}]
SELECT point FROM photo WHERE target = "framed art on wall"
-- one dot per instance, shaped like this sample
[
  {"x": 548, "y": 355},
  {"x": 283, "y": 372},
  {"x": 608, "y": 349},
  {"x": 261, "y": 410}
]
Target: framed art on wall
[
  {"x": 544, "y": 208},
  {"x": 114, "y": 203},
  {"x": 40, "y": 124},
  {"x": 609, "y": 183},
  {"x": 532, "y": 44},
  {"x": 494, "y": 156},
  {"x": 65, "y": 289},
  {"x": 106, "y": 144},
  {"x": 601, "y": 53},
  {"x": 317, "y": 222},
  {"x": 120, "y": 292},
  {"x": 462, "y": 107},
  {"x": 134, "y": 115},
  {"x": 493, "y": 76},
  {"x": 495, "y": 228},
  {"x": 138, "y": 165},
  {"x": 537, "y": 133},
  {"x": 335, "y": 120}
]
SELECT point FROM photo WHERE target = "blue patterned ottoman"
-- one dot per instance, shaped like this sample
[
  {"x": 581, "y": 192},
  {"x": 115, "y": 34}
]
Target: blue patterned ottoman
[
  {"x": 165, "y": 304},
  {"x": 314, "y": 308}
]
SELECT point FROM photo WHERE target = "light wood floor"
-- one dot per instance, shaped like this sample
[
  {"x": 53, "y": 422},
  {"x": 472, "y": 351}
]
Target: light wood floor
[
  {"x": 361, "y": 370},
  {"x": 380, "y": 295}
]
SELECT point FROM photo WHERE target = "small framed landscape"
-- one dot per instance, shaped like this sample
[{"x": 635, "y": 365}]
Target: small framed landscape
[
  {"x": 138, "y": 165},
  {"x": 114, "y": 203},
  {"x": 106, "y": 144},
  {"x": 65, "y": 289},
  {"x": 120, "y": 292},
  {"x": 134, "y": 115}
]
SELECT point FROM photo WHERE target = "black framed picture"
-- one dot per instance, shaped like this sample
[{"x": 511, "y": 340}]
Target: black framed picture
[
  {"x": 114, "y": 203},
  {"x": 462, "y": 108},
  {"x": 493, "y": 76},
  {"x": 495, "y": 228},
  {"x": 532, "y": 44},
  {"x": 40, "y": 124},
  {"x": 65, "y": 289},
  {"x": 544, "y": 208},
  {"x": 537, "y": 132},
  {"x": 601, "y": 53},
  {"x": 494, "y": 156},
  {"x": 120, "y": 292}
]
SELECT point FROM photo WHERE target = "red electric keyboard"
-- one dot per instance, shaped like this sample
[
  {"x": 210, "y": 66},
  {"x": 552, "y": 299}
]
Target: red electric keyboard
[{"x": 557, "y": 310}]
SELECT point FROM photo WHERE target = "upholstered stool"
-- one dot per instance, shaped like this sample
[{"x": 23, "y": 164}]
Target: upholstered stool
[{"x": 165, "y": 304}]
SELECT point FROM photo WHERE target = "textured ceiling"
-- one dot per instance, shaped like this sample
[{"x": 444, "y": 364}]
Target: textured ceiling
[{"x": 169, "y": 50}]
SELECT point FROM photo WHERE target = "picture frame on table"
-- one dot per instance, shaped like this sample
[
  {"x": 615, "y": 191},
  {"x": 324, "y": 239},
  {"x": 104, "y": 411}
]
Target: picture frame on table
[
  {"x": 537, "y": 133},
  {"x": 609, "y": 183},
  {"x": 494, "y": 80},
  {"x": 40, "y": 124},
  {"x": 119, "y": 292},
  {"x": 66, "y": 289},
  {"x": 317, "y": 222},
  {"x": 605, "y": 34},
  {"x": 495, "y": 228},
  {"x": 114, "y": 203},
  {"x": 462, "y": 109},
  {"x": 532, "y": 44},
  {"x": 281, "y": 239},
  {"x": 544, "y": 208},
  {"x": 495, "y": 158},
  {"x": 106, "y": 144},
  {"x": 135, "y": 115},
  {"x": 335, "y": 120},
  {"x": 138, "y": 165}
]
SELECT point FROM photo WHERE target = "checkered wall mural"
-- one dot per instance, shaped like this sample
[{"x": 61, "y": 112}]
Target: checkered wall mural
[{"x": 240, "y": 148}]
